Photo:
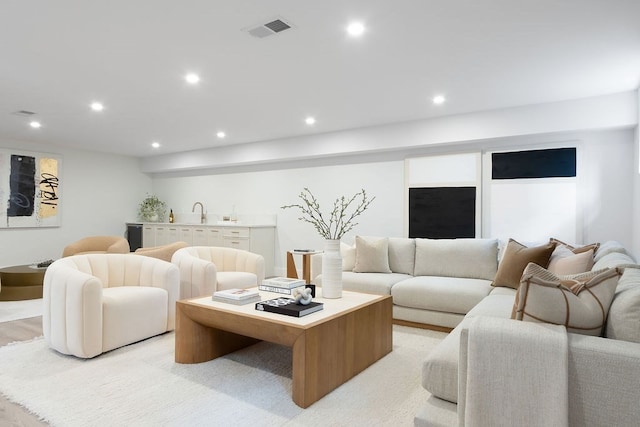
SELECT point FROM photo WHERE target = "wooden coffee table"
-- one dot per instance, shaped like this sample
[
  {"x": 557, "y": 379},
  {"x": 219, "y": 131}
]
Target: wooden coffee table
[{"x": 329, "y": 346}]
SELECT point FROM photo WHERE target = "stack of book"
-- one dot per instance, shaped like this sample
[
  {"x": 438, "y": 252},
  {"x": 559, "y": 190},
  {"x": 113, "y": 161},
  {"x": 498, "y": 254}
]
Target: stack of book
[
  {"x": 281, "y": 285},
  {"x": 237, "y": 296}
]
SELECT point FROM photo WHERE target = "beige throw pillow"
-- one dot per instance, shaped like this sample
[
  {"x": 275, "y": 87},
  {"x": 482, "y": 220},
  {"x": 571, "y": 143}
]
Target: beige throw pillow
[
  {"x": 515, "y": 259},
  {"x": 563, "y": 263},
  {"x": 575, "y": 249},
  {"x": 579, "y": 302},
  {"x": 372, "y": 255}
]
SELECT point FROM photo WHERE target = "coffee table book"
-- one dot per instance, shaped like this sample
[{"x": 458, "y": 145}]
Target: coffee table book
[
  {"x": 288, "y": 307},
  {"x": 242, "y": 301},
  {"x": 283, "y": 282},
  {"x": 236, "y": 294},
  {"x": 280, "y": 290}
]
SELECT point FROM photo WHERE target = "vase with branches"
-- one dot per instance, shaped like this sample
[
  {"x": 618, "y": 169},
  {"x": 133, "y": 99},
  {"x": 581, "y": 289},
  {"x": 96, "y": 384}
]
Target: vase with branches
[
  {"x": 340, "y": 220},
  {"x": 332, "y": 227}
]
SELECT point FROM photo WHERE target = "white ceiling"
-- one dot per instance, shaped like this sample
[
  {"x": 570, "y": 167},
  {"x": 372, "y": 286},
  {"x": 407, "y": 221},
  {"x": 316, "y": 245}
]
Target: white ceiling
[{"x": 58, "y": 56}]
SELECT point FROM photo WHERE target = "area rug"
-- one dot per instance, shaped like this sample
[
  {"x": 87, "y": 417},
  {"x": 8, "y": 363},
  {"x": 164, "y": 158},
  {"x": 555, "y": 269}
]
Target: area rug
[
  {"x": 141, "y": 385},
  {"x": 15, "y": 310}
]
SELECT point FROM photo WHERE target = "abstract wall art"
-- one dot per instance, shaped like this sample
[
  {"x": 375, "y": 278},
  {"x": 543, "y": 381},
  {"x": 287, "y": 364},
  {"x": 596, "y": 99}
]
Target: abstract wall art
[{"x": 30, "y": 189}]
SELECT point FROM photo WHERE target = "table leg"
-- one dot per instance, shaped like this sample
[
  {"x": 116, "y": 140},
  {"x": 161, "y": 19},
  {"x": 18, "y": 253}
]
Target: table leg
[
  {"x": 291, "y": 266},
  {"x": 197, "y": 343}
]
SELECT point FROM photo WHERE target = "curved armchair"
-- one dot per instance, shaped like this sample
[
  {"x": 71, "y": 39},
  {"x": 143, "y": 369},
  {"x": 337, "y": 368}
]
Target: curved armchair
[
  {"x": 97, "y": 302},
  {"x": 164, "y": 252},
  {"x": 98, "y": 244},
  {"x": 206, "y": 269}
]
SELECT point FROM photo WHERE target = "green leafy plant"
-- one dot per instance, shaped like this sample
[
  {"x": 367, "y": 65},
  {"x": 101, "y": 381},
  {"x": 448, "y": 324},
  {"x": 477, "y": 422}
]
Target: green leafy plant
[
  {"x": 152, "y": 209},
  {"x": 340, "y": 221}
]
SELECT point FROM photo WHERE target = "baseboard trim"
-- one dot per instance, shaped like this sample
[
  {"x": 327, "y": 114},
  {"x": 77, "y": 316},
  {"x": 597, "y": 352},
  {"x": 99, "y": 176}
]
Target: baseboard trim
[{"x": 421, "y": 325}]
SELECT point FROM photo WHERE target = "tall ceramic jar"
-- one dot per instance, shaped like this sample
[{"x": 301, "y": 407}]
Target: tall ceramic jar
[{"x": 332, "y": 269}]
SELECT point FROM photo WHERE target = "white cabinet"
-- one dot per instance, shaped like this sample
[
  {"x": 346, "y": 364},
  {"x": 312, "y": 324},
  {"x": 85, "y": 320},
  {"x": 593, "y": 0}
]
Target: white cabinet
[
  {"x": 185, "y": 234},
  {"x": 256, "y": 239},
  {"x": 200, "y": 236}
]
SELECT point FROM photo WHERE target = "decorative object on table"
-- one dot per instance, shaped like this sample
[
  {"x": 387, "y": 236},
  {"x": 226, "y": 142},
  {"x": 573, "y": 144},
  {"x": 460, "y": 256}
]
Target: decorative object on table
[
  {"x": 281, "y": 285},
  {"x": 44, "y": 264},
  {"x": 152, "y": 209},
  {"x": 288, "y": 307},
  {"x": 237, "y": 296},
  {"x": 339, "y": 223},
  {"x": 302, "y": 296}
]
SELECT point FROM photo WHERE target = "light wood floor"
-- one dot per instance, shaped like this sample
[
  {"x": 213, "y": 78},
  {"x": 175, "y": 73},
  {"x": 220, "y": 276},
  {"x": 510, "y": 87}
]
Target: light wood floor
[{"x": 12, "y": 415}]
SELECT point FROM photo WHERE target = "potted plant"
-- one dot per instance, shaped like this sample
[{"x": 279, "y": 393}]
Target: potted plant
[
  {"x": 152, "y": 209},
  {"x": 332, "y": 227}
]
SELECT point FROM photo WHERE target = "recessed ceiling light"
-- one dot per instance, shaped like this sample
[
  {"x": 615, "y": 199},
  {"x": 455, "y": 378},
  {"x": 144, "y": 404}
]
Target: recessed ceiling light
[
  {"x": 438, "y": 99},
  {"x": 192, "y": 78},
  {"x": 221, "y": 134},
  {"x": 355, "y": 29},
  {"x": 155, "y": 144},
  {"x": 34, "y": 124},
  {"x": 97, "y": 106},
  {"x": 310, "y": 120}
]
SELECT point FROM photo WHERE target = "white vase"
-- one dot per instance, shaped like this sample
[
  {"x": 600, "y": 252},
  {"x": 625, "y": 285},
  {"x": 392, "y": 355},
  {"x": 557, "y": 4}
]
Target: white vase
[{"x": 332, "y": 270}]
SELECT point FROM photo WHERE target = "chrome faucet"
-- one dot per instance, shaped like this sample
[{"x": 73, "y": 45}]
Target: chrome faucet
[{"x": 202, "y": 215}]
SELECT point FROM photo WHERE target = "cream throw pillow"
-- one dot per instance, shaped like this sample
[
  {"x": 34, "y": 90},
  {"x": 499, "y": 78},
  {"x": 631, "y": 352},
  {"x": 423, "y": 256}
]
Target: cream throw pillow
[
  {"x": 372, "y": 255},
  {"x": 579, "y": 302}
]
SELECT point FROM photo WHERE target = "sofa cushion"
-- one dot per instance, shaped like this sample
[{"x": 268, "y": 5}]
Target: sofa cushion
[
  {"x": 448, "y": 294},
  {"x": 132, "y": 313},
  {"x": 372, "y": 255},
  {"x": 564, "y": 261},
  {"x": 402, "y": 255},
  {"x": 515, "y": 259},
  {"x": 608, "y": 247},
  {"x": 612, "y": 260},
  {"x": 579, "y": 302},
  {"x": 623, "y": 322},
  {"x": 440, "y": 368},
  {"x": 469, "y": 258},
  {"x": 368, "y": 283}
]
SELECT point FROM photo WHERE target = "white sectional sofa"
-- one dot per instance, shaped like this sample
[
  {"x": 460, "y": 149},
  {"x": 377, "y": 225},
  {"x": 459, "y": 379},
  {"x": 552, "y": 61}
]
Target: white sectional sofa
[
  {"x": 432, "y": 282},
  {"x": 448, "y": 284}
]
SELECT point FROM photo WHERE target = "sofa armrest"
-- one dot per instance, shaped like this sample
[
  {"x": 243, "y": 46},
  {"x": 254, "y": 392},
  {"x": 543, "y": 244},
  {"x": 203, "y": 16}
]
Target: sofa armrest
[
  {"x": 604, "y": 375},
  {"x": 197, "y": 276},
  {"x": 72, "y": 311},
  {"x": 522, "y": 363}
]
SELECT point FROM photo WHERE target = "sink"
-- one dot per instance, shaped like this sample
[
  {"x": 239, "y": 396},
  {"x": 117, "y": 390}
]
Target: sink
[{"x": 187, "y": 217}]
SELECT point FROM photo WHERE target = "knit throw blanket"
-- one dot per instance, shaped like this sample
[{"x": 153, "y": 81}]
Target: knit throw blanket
[{"x": 516, "y": 374}]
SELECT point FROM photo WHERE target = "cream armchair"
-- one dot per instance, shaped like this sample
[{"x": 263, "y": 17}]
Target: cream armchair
[
  {"x": 206, "y": 269},
  {"x": 94, "y": 303},
  {"x": 97, "y": 244}
]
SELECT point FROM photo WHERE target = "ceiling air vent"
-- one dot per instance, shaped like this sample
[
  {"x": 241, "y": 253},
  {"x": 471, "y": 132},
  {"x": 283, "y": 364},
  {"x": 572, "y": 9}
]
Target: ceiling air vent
[
  {"x": 272, "y": 27},
  {"x": 23, "y": 113}
]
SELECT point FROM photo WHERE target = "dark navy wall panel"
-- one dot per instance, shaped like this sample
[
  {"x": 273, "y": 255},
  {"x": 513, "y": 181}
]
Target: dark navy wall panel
[
  {"x": 442, "y": 212},
  {"x": 557, "y": 162}
]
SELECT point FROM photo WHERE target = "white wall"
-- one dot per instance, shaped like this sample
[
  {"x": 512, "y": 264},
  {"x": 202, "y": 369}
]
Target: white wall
[
  {"x": 263, "y": 193},
  {"x": 636, "y": 186},
  {"x": 100, "y": 192},
  {"x": 605, "y": 191}
]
